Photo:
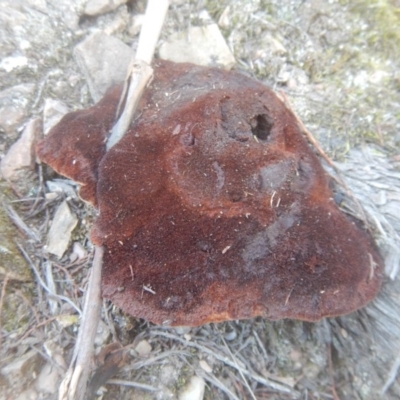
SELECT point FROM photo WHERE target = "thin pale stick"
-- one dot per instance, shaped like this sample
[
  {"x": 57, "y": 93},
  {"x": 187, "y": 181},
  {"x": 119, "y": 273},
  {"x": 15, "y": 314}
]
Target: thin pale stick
[
  {"x": 44, "y": 286},
  {"x": 139, "y": 72},
  {"x": 137, "y": 385},
  {"x": 225, "y": 360},
  {"x": 240, "y": 371},
  {"x": 74, "y": 384},
  {"x": 139, "y": 75},
  {"x": 153, "y": 21}
]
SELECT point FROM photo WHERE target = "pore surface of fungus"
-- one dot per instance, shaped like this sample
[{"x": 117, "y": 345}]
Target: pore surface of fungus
[{"x": 213, "y": 206}]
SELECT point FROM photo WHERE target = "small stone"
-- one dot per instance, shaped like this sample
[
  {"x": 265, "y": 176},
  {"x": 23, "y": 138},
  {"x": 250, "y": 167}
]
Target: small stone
[
  {"x": 169, "y": 374},
  {"x": 38, "y": 4},
  {"x": 194, "y": 390},
  {"x": 48, "y": 379},
  {"x": 67, "y": 10},
  {"x": 203, "y": 45},
  {"x": 17, "y": 369},
  {"x": 51, "y": 196},
  {"x": 21, "y": 154},
  {"x": 53, "y": 111},
  {"x": 136, "y": 24},
  {"x": 67, "y": 320},
  {"x": 225, "y": 19},
  {"x": 229, "y": 336},
  {"x": 143, "y": 348},
  {"x": 182, "y": 330},
  {"x": 98, "y": 7},
  {"x": 78, "y": 252},
  {"x": 11, "y": 63},
  {"x": 29, "y": 394},
  {"x": 14, "y": 103},
  {"x": 274, "y": 46},
  {"x": 60, "y": 231},
  {"x": 205, "y": 366},
  {"x": 102, "y": 334},
  {"x": 62, "y": 187},
  {"x": 295, "y": 355},
  {"x": 104, "y": 61}
]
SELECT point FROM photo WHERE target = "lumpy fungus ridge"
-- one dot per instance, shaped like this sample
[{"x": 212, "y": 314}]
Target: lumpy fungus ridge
[{"x": 213, "y": 206}]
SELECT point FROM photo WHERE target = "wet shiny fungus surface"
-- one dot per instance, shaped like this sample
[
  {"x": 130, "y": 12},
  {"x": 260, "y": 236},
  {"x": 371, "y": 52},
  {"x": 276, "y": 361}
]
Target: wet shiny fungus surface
[{"x": 213, "y": 206}]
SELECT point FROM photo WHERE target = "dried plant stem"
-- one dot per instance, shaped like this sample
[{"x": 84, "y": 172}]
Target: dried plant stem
[
  {"x": 137, "y": 385},
  {"x": 153, "y": 21},
  {"x": 135, "y": 84},
  {"x": 253, "y": 396},
  {"x": 227, "y": 361},
  {"x": 74, "y": 384},
  {"x": 43, "y": 284},
  {"x": 139, "y": 72}
]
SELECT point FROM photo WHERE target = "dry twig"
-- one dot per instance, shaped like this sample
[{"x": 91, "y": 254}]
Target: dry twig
[
  {"x": 75, "y": 383},
  {"x": 20, "y": 224},
  {"x": 239, "y": 369},
  {"x": 43, "y": 284},
  {"x": 224, "y": 359}
]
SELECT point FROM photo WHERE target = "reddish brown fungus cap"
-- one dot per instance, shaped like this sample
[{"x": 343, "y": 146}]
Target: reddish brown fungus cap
[{"x": 213, "y": 206}]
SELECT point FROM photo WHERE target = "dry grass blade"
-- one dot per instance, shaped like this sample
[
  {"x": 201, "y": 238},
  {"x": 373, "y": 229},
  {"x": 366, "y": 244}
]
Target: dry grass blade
[
  {"x": 218, "y": 384},
  {"x": 43, "y": 284},
  {"x": 226, "y": 360},
  {"x": 392, "y": 375},
  {"x": 154, "y": 360},
  {"x": 137, "y": 385},
  {"x": 239, "y": 369},
  {"x": 20, "y": 224}
]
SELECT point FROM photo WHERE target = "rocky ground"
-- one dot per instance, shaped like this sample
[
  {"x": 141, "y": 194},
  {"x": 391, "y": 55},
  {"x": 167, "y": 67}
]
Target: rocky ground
[{"x": 338, "y": 63}]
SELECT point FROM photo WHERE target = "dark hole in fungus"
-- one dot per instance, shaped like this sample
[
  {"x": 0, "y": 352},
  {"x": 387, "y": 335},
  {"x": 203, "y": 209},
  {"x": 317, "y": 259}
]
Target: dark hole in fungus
[
  {"x": 199, "y": 227},
  {"x": 261, "y": 126}
]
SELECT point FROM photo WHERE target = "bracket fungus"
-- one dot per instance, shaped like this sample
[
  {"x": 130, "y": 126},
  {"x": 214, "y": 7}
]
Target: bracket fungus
[{"x": 213, "y": 206}]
